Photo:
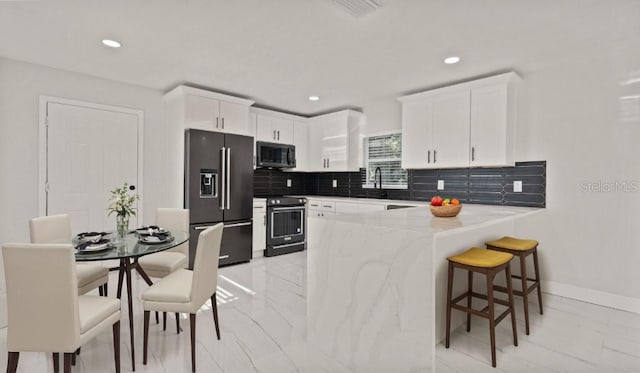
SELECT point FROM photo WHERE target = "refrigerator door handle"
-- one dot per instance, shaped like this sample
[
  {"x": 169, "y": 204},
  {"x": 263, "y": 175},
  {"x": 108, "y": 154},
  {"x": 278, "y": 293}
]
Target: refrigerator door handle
[
  {"x": 223, "y": 192},
  {"x": 228, "y": 177},
  {"x": 203, "y": 227},
  {"x": 237, "y": 225}
]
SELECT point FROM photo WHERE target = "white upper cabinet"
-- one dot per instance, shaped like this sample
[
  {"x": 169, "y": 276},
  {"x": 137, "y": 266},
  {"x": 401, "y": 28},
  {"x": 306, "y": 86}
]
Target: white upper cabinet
[
  {"x": 493, "y": 125},
  {"x": 201, "y": 112},
  {"x": 417, "y": 125},
  {"x": 234, "y": 118},
  {"x": 468, "y": 124},
  {"x": 211, "y": 111},
  {"x": 272, "y": 126},
  {"x": 335, "y": 141},
  {"x": 450, "y": 136}
]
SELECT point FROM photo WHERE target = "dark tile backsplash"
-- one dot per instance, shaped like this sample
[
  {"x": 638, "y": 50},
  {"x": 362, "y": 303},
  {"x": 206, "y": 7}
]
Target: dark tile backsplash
[{"x": 492, "y": 186}]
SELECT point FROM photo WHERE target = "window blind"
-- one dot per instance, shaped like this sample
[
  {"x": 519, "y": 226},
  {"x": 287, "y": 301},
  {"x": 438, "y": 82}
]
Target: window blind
[{"x": 385, "y": 152}]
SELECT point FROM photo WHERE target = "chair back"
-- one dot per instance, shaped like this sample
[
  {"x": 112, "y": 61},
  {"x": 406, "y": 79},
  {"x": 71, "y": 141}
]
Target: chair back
[
  {"x": 174, "y": 220},
  {"x": 205, "y": 265},
  {"x": 50, "y": 229},
  {"x": 42, "y": 297}
]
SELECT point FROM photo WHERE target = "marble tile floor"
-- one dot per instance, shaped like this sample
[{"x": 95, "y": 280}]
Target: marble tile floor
[{"x": 262, "y": 308}]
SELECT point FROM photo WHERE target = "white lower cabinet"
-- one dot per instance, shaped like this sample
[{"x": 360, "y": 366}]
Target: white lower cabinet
[
  {"x": 259, "y": 228},
  {"x": 318, "y": 207}
]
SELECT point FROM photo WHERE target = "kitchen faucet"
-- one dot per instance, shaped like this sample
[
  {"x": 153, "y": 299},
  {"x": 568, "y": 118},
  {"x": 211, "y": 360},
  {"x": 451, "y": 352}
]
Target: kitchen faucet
[{"x": 381, "y": 193}]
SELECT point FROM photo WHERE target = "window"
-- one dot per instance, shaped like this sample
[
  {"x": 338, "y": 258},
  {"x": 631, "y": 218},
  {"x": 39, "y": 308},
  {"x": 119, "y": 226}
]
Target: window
[{"x": 384, "y": 152}]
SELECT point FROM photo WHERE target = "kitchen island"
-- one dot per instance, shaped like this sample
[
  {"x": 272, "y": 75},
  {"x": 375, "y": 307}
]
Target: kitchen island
[{"x": 376, "y": 281}]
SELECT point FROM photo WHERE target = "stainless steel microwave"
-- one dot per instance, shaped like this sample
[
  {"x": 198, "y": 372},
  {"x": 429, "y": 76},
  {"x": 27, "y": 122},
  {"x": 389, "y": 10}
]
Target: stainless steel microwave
[{"x": 275, "y": 155}]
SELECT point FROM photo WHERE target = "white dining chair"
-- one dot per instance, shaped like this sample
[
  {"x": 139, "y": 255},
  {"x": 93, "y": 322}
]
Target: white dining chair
[
  {"x": 160, "y": 265},
  {"x": 185, "y": 291},
  {"x": 57, "y": 229},
  {"x": 42, "y": 277}
]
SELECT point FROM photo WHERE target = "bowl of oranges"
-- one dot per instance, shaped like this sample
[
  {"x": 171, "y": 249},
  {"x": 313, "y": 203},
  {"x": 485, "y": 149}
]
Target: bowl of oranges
[{"x": 445, "y": 207}]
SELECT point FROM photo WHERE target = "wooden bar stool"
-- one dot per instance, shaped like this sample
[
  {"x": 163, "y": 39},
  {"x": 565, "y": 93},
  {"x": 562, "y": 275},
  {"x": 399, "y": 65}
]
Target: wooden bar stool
[
  {"x": 522, "y": 249},
  {"x": 488, "y": 263}
]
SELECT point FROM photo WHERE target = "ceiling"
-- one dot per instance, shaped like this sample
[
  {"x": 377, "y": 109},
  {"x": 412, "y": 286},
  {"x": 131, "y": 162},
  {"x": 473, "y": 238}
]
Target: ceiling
[{"x": 278, "y": 52}]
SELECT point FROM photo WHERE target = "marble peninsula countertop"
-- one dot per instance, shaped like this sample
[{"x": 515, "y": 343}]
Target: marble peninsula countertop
[
  {"x": 420, "y": 218},
  {"x": 376, "y": 280}
]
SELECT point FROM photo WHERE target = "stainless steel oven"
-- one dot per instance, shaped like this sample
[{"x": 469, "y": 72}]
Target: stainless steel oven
[{"x": 286, "y": 225}]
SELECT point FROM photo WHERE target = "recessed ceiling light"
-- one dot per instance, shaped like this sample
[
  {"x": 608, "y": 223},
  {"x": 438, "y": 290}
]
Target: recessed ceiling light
[
  {"x": 451, "y": 60},
  {"x": 314, "y": 98},
  {"x": 111, "y": 43}
]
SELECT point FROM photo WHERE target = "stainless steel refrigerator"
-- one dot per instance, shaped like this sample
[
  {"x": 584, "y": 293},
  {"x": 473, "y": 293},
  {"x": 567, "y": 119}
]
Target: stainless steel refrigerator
[{"x": 219, "y": 188}]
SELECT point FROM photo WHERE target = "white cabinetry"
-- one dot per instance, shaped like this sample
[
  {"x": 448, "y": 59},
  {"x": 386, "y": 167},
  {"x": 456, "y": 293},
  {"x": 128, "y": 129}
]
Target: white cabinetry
[
  {"x": 417, "y": 124},
  {"x": 335, "y": 141},
  {"x": 319, "y": 208},
  {"x": 450, "y": 132},
  {"x": 211, "y": 111},
  {"x": 324, "y": 207},
  {"x": 468, "y": 124},
  {"x": 272, "y": 126},
  {"x": 493, "y": 124},
  {"x": 301, "y": 142},
  {"x": 259, "y": 227}
]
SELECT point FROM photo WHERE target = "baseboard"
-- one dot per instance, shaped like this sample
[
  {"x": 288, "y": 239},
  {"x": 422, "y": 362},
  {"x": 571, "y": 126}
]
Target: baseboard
[
  {"x": 258, "y": 254},
  {"x": 592, "y": 296}
]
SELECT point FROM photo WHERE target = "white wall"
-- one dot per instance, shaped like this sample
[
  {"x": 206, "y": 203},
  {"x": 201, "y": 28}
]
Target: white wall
[
  {"x": 21, "y": 84},
  {"x": 573, "y": 118},
  {"x": 383, "y": 115}
]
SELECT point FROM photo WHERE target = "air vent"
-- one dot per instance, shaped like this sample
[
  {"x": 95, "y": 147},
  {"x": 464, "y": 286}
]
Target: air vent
[{"x": 358, "y": 8}]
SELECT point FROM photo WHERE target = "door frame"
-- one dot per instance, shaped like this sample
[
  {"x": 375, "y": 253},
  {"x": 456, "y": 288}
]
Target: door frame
[{"x": 43, "y": 151}]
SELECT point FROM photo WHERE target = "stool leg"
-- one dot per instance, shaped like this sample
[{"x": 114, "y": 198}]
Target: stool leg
[
  {"x": 492, "y": 320},
  {"x": 535, "y": 267},
  {"x": 525, "y": 293},
  {"x": 511, "y": 304},
  {"x": 470, "y": 289},
  {"x": 449, "y": 294}
]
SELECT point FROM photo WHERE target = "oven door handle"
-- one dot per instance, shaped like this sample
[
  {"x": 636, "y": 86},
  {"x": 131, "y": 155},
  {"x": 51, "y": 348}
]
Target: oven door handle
[{"x": 298, "y": 208}]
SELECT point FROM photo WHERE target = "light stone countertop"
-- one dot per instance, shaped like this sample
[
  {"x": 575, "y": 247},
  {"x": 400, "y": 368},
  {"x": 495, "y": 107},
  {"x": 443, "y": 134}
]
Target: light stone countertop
[
  {"x": 376, "y": 280},
  {"x": 420, "y": 218}
]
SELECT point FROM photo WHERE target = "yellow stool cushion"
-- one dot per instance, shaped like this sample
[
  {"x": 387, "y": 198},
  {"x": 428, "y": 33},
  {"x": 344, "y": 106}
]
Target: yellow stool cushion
[
  {"x": 513, "y": 243},
  {"x": 476, "y": 257}
]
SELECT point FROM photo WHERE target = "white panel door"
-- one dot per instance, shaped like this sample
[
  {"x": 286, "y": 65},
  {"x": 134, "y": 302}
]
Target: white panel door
[
  {"x": 89, "y": 152},
  {"x": 451, "y": 116}
]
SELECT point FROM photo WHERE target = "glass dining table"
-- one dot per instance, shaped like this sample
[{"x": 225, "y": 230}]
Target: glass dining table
[{"x": 127, "y": 251}]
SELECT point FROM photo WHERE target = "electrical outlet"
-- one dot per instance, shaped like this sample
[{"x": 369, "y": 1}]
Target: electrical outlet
[
  {"x": 440, "y": 184},
  {"x": 288, "y": 183},
  {"x": 517, "y": 186},
  {"x": 335, "y": 183}
]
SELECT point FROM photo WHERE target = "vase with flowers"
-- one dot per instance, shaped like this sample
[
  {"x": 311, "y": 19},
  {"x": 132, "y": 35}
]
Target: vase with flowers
[{"x": 122, "y": 203}]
